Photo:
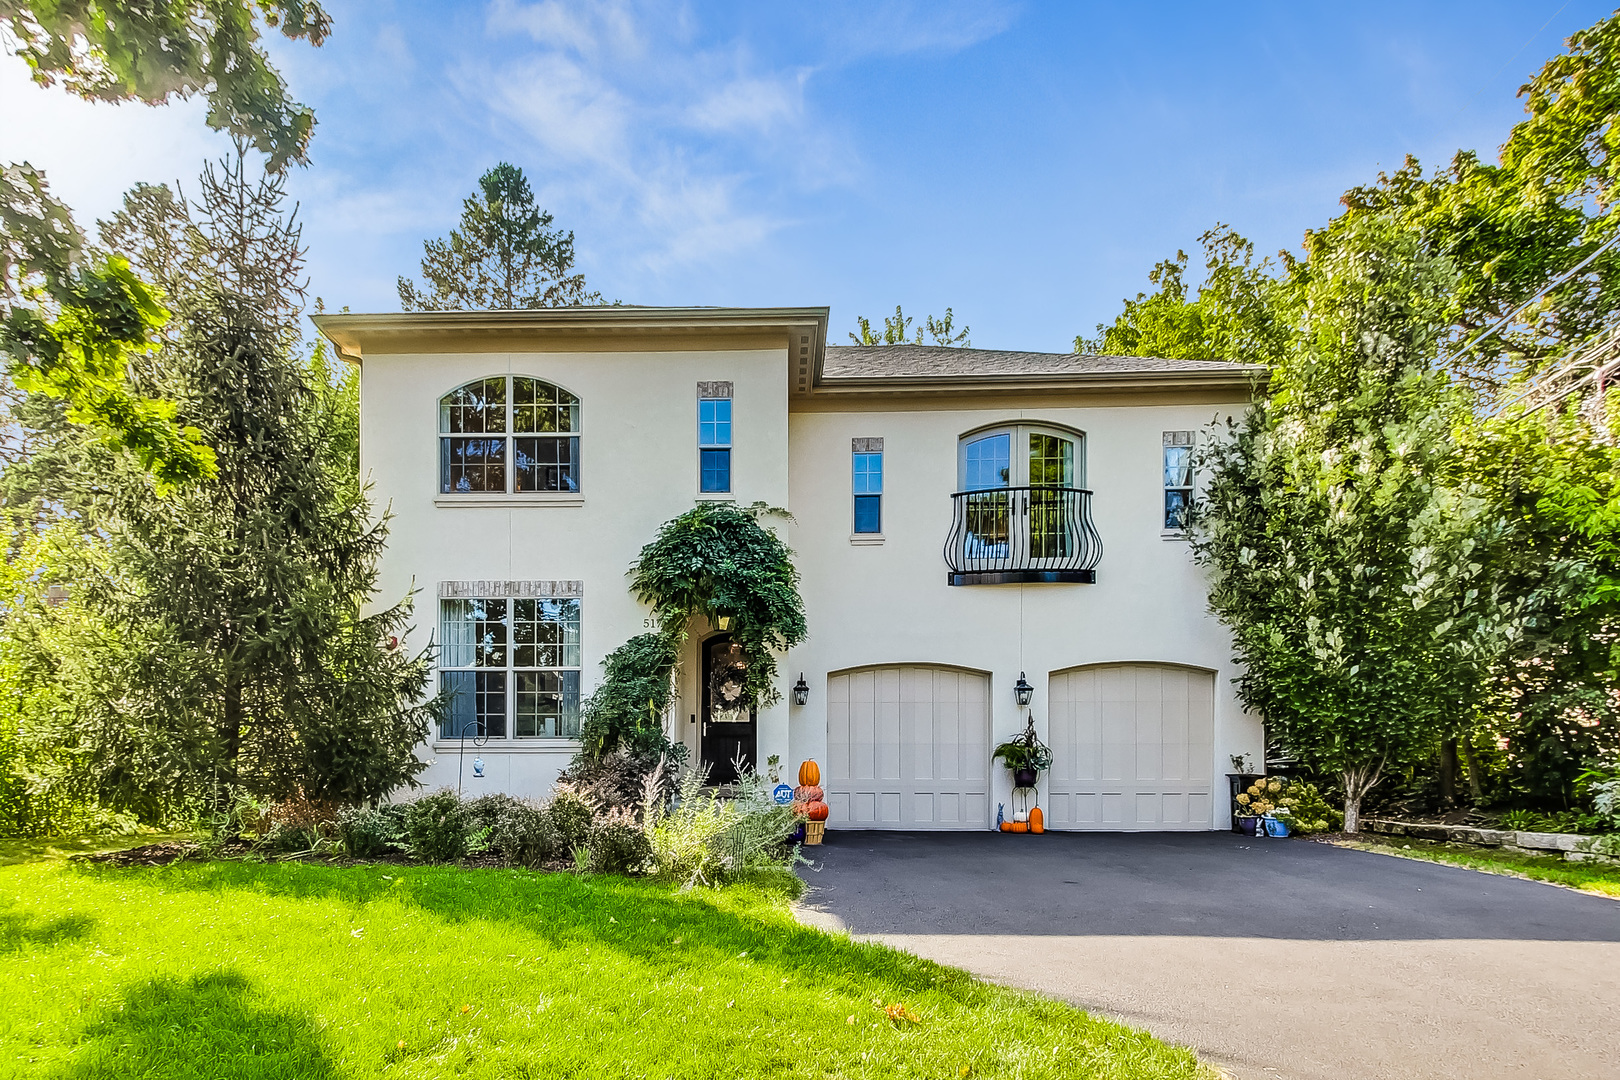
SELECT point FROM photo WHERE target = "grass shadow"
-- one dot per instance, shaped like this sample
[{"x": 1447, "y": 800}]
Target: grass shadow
[
  {"x": 22, "y": 930},
  {"x": 650, "y": 921},
  {"x": 201, "y": 1029}
]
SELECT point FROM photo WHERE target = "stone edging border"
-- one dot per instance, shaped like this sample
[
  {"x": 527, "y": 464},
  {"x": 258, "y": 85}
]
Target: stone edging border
[{"x": 1573, "y": 846}]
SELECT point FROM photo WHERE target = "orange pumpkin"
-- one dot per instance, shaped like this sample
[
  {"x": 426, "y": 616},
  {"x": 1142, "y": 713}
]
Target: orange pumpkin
[
  {"x": 1018, "y": 826},
  {"x": 809, "y": 793},
  {"x": 1037, "y": 821},
  {"x": 1006, "y": 826},
  {"x": 809, "y": 774},
  {"x": 816, "y": 811}
]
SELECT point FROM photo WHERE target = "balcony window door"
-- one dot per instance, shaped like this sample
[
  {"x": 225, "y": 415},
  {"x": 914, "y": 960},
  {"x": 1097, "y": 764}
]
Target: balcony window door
[{"x": 1016, "y": 482}]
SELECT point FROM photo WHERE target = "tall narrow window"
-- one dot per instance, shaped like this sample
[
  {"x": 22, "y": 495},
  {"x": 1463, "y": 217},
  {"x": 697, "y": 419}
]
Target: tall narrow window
[
  {"x": 1178, "y": 479},
  {"x": 508, "y": 434},
  {"x": 510, "y": 665},
  {"x": 868, "y": 485},
  {"x": 714, "y": 437}
]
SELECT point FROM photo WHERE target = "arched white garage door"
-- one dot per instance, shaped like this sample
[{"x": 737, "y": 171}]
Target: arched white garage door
[
  {"x": 908, "y": 747},
  {"x": 1132, "y": 748}
]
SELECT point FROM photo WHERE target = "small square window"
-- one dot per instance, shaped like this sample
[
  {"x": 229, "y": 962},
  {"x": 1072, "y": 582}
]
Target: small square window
[
  {"x": 715, "y": 467},
  {"x": 714, "y": 422},
  {"x": 868, "y": 513}
]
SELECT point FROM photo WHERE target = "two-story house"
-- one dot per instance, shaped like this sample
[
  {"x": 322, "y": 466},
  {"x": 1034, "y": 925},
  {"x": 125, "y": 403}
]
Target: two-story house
[{"x": 972, "y": 527}]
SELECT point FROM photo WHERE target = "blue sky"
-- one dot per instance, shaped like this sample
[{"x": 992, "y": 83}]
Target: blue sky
[{"x": 1023, "y": 163}]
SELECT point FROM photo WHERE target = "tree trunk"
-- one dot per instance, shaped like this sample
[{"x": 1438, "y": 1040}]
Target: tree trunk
[
  {"x": 230, "y": 728},
  {"x": 1357, "y": 782},
  {"x": 1476, "y": 783},
  {"x": 1448, "y": 772}
]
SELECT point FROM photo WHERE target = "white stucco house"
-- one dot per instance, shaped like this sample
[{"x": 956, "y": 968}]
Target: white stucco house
[{"x": 962, "y": 519}]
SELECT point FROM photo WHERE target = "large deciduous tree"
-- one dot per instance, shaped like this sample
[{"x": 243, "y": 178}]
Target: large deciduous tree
[
  {"x": 1241, "y": 311},
  {"x": 69, "y": 325},
  {"x": 504, "y": 255},
  {"x": 155, "y": 50},
  {"x": 1337, "y": 555}
]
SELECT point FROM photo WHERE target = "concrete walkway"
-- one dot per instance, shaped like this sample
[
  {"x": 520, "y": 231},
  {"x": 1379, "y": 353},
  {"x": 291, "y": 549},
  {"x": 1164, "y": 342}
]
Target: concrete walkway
[{"x": 1271, "y": 958}]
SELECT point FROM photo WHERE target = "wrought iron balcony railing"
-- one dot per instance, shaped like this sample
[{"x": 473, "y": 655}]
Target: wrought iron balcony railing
[{"x": 1022, "y": 534}]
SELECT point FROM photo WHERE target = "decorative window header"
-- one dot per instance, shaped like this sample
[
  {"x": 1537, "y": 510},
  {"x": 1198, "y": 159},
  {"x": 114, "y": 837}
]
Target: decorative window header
[
  {"x": 866, "y": 446},
  {"x": 712, "y": 390},
  {"x": 1178, "y": 438},
  {"x": 470, "y": 590}
]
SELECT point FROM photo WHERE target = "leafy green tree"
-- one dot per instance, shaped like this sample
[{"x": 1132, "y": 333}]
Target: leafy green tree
[
  {"x": 505, "y": 255},
  {"x": 1514, "y": 227},
  {"x": 1549, "y": 697},
  {"x": 69, "y": 325},
  {"x": 1242, "y": 310},
  {"x": 1339, "y": 560},
  {"x": 155, "y": 50},
  {"x": 896, "y": 329}
]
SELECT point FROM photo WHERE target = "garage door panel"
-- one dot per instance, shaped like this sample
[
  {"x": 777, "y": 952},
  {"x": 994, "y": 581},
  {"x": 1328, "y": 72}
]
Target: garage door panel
[
  {"x": 927, "y": 732},
  {"x": 1132, "y": 747}
]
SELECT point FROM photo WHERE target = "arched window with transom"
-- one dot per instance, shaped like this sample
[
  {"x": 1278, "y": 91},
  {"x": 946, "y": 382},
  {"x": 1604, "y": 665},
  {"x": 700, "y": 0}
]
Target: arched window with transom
[{"x": 508, "y": 434}]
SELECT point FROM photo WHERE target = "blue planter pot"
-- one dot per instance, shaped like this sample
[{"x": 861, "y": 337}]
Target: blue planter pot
[{"x": 1275, "y": 827}]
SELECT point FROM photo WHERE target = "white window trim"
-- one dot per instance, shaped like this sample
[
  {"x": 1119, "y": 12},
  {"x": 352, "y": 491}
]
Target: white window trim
[{"x": 525, "y": 498}]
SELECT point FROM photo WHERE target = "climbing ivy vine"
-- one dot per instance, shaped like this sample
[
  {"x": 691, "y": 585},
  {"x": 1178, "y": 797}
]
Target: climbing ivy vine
[{"x": 716, "y": 560}]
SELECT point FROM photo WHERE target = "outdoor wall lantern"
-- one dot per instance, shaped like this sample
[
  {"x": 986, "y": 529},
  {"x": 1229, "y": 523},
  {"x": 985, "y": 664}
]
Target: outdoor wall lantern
[
  {"x": 801, "y": 691},
  {"x": 722, "y": 622},
  {"x": 1022, "y": 691}
]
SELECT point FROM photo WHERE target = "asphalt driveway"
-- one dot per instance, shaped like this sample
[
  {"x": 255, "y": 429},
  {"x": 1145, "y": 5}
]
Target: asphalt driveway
[{"x": 1271, "y": 958}]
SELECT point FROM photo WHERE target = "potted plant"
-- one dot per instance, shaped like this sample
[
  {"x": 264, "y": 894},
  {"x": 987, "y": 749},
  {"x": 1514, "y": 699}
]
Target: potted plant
[{"x": 1025, "y": 755}]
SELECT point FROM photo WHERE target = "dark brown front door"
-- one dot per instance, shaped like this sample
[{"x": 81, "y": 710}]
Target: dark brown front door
[{"x": 730, "y": 731}]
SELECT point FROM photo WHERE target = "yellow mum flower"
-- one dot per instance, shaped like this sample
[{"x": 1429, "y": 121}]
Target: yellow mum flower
[
  {"x": 1244, "y": 799},
  {"x": 1276, "y": 785}
]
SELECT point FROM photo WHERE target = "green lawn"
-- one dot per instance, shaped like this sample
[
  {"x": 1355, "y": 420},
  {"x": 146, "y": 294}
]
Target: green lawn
[
  {"x": 234, "y": 969},
  {"x": 1588, "y": 877}
]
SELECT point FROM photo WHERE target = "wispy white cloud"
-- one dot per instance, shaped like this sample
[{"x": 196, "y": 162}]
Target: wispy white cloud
[
  {"x": 896, "y": 27},
  {"x": 628, "y": 113}
]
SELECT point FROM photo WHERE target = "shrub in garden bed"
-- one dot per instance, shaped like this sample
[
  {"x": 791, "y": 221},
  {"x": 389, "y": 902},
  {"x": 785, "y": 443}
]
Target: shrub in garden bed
[
  {"x": 1296, "y": 802},
  {"x": 367, "y": 832},
  {"x": 437, "y": 827}
]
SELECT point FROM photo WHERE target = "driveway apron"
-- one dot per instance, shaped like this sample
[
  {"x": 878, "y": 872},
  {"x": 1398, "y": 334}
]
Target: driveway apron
[{"x": 1270, "y": 958}]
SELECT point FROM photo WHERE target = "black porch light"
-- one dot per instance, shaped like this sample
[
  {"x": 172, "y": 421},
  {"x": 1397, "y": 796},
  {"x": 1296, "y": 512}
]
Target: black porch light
[
  {"x": 1022, "y": 691},
  {"x": 801, "y": 691}
]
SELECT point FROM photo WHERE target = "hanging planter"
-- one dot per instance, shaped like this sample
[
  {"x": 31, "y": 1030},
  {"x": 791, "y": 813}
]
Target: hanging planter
[{"x": 1025, "y": 755}]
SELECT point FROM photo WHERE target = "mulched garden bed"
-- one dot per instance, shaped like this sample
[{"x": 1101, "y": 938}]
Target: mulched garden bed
[{"x": 175, "y": 851}]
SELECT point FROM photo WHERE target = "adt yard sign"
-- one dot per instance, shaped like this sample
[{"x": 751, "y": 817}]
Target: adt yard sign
[{"x": 782, "y": 794}]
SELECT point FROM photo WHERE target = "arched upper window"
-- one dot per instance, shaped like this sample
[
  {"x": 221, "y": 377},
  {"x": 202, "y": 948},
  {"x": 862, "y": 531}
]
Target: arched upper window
[
  {"x": 1021, "y": 455},
  {"x": 508, "y": 433}
]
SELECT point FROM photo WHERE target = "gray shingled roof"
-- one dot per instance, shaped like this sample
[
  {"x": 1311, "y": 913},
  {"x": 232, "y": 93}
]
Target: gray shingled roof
[{"x": 924, "y": 361}]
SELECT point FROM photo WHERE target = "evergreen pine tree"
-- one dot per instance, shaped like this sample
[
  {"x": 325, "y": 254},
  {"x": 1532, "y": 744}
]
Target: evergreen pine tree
[
  {"x": 505, "y": 255},
  {"x": 242, "y": 655}
]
